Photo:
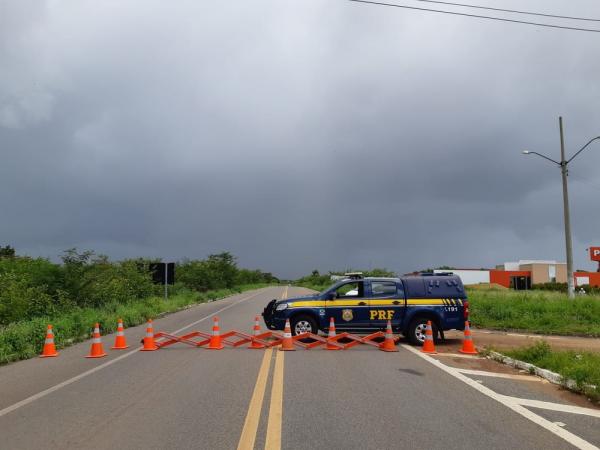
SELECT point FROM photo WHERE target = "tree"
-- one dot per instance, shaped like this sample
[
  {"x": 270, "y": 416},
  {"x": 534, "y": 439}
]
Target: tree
[{"x": 7, "y": 252}]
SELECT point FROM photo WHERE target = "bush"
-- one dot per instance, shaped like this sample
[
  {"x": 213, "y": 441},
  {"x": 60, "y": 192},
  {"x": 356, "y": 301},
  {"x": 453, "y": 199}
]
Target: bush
[
  {"x": 551, "y": 286},
  {"x": 32, "y": 288}
]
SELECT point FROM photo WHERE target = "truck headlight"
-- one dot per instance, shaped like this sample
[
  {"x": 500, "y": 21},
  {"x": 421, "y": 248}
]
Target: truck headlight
[{"x": 281, "y": 307}]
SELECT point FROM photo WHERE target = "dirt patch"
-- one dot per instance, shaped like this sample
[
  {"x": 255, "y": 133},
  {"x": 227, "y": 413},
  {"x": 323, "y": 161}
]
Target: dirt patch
[{"x": 508, "y": 340}]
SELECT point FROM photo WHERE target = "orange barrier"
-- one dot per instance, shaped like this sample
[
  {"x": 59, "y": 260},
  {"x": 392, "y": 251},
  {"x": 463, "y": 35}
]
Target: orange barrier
[
  {"x": 96, "y": 350},
  {"x": 428, "y": 345},
  {"x": 49, "y": 350},
  {"x": 120, "y": 342},
  {"x": 256, "y": 343},
  {"x": 468, "y": 346},
  {"x": 149, "y": 344},
  {"x": 185, "y": 339},
  {"x": 388, "y": 345},
  {"x": 269, "y": 339}
]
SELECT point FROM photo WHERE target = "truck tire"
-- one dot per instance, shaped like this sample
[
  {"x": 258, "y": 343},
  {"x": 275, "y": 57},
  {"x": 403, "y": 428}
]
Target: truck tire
[
  {"x": 416, "y": 330},
  {"x": 303, "y": 324}
]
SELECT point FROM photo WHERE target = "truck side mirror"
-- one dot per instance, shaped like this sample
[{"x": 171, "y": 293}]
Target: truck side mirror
[{"x": 331, "y": 295}]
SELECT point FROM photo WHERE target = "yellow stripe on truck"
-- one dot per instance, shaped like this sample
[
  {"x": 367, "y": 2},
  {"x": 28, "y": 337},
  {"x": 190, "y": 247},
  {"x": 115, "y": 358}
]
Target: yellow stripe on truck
[{"x": 373, "y": 302}]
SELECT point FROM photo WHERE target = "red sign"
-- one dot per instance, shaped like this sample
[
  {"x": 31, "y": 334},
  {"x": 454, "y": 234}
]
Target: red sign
[{"x": 595, "y": 253}]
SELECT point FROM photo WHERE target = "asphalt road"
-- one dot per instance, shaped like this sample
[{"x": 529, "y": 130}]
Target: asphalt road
[{"x": 181, "y": 397}]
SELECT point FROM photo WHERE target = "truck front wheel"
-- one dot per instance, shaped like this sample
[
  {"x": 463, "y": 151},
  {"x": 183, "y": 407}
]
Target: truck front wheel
[
  {"x": 416, "y": 330},
  {"x": 303, "y": 324}
]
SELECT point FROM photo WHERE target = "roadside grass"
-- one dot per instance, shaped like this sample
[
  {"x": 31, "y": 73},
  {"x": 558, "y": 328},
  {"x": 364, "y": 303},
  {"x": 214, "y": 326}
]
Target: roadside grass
[
  {"x": 581, "y": 367},
  {"x": 542, "y": 312},
  {"x": 25, "y": 339}
]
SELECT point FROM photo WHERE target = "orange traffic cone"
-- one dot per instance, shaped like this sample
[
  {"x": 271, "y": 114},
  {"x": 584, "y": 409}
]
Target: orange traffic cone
[
  {"x": 388, "y": 345},
  {"x": 49, "y": 348},
  {"x": 428, "y": 345},
  {"x": 254, "y": 343},
  {"x": 96, "y": 350},
  {"x": 288, "y": 342},
  {"x": 149, "y": 344},
  {"x": 331, "y": 335},
  {"x": 468, "y": 346},
  {"x": 215, "y": 340},
  {"x": 120, "y": 342}
]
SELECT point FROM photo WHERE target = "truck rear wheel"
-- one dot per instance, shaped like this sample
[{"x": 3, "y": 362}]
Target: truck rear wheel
[
  {"x": 303, "y": 324},
  {"x": 416, "y": 330}
]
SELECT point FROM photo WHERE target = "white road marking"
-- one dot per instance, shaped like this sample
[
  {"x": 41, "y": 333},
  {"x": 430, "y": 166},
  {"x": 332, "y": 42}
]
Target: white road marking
[
  {"x": 459, "y": 355},
  {"x": 510, "y": 403},
  {"x": 55, "y": 388},
  {"x": 560, "y": 424},
  {"x": 510, "y": 376},
  {"x": 557, "y": 407}
]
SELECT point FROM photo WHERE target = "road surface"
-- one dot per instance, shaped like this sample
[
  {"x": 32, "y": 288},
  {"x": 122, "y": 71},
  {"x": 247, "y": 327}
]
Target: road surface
[{"x": 362, "y": 398}]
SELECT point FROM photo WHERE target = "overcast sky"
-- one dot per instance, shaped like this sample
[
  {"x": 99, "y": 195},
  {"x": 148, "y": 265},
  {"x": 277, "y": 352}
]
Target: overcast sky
[{"x": 297, "y": 134}]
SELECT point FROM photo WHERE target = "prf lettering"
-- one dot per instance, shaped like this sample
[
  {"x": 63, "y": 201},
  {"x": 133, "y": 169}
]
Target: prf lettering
[{"x": 382, "y": 314}]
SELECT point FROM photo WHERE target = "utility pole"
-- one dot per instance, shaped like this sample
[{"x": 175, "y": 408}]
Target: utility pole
[
  {"x": 567, "y": 214},
  {"x": 166, "y": 281},
  {"x": 564, "y": 169}
]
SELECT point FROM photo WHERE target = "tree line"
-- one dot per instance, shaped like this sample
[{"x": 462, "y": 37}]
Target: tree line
[{"x": 35, "y": 287}]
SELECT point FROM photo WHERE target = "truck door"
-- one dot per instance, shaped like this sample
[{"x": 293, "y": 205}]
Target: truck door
[
  {"x": 350, "y": 307},
  {"x": 386, "y": 302}
]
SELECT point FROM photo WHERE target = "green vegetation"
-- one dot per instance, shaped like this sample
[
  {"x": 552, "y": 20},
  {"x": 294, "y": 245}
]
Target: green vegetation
[
  {"x": 582, "y": 367},
  {"x": 562, "y": 287},
  {"x": 88, "y": 288},
  {"x": 535, "y": 311}
]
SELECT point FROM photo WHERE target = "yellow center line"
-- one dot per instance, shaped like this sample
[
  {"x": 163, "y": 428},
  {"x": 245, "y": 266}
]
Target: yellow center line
[
  {"x": 273, "y": 440},
  {"x": 253, "y": 416}
]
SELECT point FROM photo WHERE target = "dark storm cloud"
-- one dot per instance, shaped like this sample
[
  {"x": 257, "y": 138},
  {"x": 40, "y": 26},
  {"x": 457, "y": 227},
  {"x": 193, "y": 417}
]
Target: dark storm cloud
[{"x": 298, "y": 135}]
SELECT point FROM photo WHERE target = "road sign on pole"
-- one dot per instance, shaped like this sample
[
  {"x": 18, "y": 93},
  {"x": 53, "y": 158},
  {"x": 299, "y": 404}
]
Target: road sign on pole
[{"x": 163, "y": 273}]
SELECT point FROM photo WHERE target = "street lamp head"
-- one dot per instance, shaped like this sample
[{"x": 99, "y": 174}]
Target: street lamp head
[{"x": 526, "y": 152}]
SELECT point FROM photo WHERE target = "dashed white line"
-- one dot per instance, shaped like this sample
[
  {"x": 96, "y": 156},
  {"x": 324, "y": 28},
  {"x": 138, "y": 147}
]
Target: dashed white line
[{"x": 509, "y": 402}]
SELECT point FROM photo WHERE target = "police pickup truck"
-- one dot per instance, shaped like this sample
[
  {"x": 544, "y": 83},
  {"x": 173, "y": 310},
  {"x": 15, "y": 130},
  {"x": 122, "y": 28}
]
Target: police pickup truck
[{"x": 359, "y": 304}]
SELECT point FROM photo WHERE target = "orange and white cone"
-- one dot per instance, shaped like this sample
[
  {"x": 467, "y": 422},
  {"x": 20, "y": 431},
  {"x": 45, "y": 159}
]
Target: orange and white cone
[
  {"x": 288, "y": 343},
  {"x": 96, "y": 350},
  {"x": 428, "y": 345},
  {"x": 120, "y": 342},
  {"x": 149, "y": 344},
  {"x": 49, "y": 350},
  {"x": 388, "y": 344},
  {"x": 255, "y": 344},
  {"x": 468, "y": 346},
  {"x": 330, "y": 336},
  {"x": 215, "y": 340}
]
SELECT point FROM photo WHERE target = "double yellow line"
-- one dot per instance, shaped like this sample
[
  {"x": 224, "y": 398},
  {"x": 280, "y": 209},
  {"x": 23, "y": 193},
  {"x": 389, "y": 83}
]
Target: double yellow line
[{"x": 273, "y": 437}]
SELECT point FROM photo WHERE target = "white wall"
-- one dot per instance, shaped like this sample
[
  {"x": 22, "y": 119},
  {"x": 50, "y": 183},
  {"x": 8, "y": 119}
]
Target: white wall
[{"x": 470, "y": 276}]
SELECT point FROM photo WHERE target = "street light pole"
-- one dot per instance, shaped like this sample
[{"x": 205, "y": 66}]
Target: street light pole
[
  {"x": 564, "y": 169},
  {"x": 566, "y": 211}
]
